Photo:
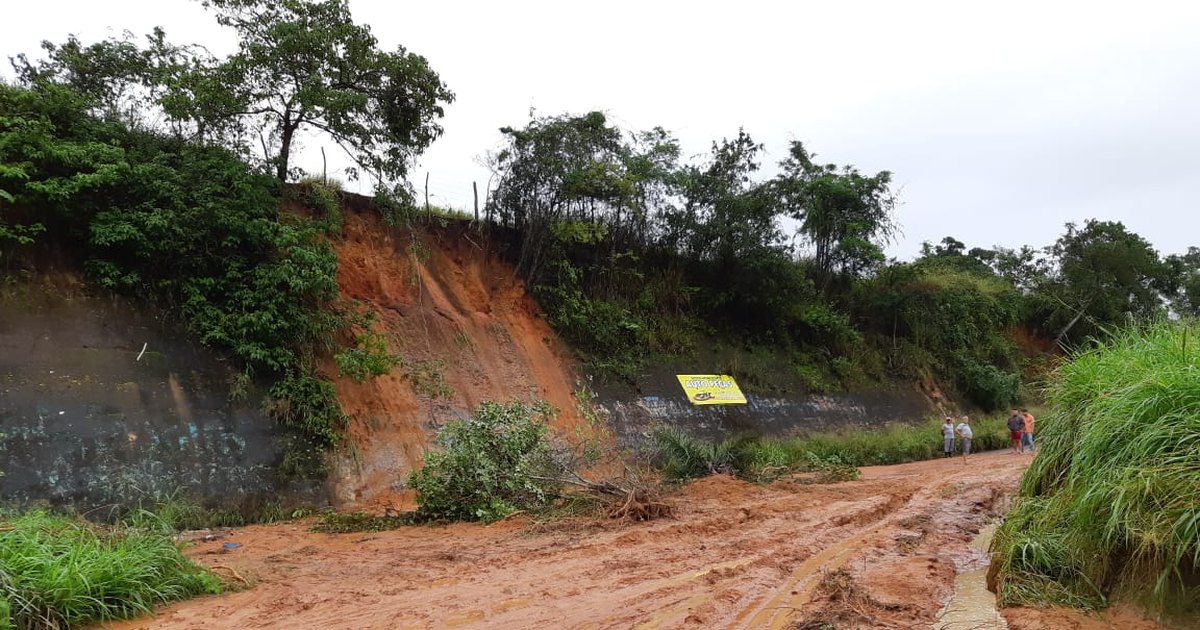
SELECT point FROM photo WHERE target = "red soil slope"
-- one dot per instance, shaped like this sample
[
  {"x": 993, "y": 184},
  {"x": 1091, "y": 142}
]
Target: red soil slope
[{"x": 455, "y": 313}]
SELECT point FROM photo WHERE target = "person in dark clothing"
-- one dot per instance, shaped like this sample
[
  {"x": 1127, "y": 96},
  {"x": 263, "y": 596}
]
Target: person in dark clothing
[{"x": 1016, "y": 426}]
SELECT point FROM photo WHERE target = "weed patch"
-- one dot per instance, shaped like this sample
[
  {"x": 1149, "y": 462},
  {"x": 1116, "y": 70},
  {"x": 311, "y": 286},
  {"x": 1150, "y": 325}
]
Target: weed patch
[
  {"x": 346, "y": 522},
  {"x": 58, "y": 572},
  {"x": 829, "y": 457},
  {"x": 1108, "y": 507}
]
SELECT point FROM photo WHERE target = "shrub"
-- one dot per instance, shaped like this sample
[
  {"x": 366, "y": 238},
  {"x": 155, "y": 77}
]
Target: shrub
[
  {"x": 990, "y": 387},
  {"x": 57, "y": 572},
  {"x": 683, "y": 456},
  {"x": 490, "y": 466},
  {"x": 1108, "y": 507},
  {"x": 368, "y": 358}
]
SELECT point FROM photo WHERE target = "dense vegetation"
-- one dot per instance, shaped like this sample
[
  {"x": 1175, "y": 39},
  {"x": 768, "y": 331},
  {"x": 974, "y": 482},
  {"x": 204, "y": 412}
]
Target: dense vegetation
[
  {"x": 1109, "y": 505},
  {"x": 57, "y": 572},
  {"x": 137, "y": 162},
  {"x": 637, "y": 254},
  {"x": 832, "y": 456}
]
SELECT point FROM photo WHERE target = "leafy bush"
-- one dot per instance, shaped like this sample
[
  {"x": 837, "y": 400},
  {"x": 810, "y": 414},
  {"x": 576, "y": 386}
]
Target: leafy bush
[
  {"x": 1108, "y": 507},
  {"x": 990, "y": 387},
  {"x": 57, "y": 572},
  {"x": 323, "y": 197},
  {"x": 610, "y": 333},
  {"x": 308, "y": 404},
  {"x": 368, "y": 358},
  {"x": 489, "y": 467}
]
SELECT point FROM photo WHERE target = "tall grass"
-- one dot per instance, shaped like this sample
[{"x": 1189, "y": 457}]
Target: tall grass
[
  {"x": 57, "y": 572},
  {"x": 682, "y": 456},
  {"x": 1111, "y": 504}
]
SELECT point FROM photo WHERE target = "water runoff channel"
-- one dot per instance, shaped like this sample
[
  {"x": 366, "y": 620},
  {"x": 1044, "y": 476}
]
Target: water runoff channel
[{"x": 973, "y": 606}]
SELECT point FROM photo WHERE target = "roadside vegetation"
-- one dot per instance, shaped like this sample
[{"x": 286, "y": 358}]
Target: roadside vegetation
[
  {"x": 1108, "y": 509},
  {"x": 641, "y": 256},
  {"x": 504, "y": 460},
  {"x": 832, "y": 456},
  {"x": 61, "y": 572}
]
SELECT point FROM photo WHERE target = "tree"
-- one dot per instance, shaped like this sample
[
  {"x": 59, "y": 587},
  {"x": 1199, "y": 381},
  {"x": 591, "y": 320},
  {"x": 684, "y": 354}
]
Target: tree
[
  {"x": 1184, "y": 284},
  {"x": 561, "y": 176},
  {"x": 1104, "y": 275},
  {"x": 144, "y": 88},
  {"x": 844, "y": 214},
  {"x": 299, "y": 64},
  {"x": 302, "y": 63},
  {"x": 726, "y": 216},
  {"x": 952, "y": 253}
]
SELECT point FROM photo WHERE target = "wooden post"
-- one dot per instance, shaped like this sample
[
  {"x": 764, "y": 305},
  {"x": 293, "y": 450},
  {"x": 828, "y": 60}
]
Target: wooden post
[
  {"x": 475, "y": 189},
  {"x": 426, "y": 192},
  {"x": 324, "y": 176}
]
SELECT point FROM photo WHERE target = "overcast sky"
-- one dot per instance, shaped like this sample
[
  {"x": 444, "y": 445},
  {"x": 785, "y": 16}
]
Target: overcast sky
[{"x": 1000, "y": 123}]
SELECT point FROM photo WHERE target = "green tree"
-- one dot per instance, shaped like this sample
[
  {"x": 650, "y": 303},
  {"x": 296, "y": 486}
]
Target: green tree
[
  {"x": 846, "y": 215},
  {"x": 952, "y": 253},
  {"x": 726, "y": 215},
  {"x": 560, "y": 177},
  {"x": 306, "y": 63},
  {"x": 1105, "y": 274},
  {"x": 1183, "y": 283},
  {"x": 299, "y": 64}
]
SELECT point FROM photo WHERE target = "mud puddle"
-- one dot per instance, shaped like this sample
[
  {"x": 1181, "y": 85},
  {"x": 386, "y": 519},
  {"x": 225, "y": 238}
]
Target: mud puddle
[{"x": 973, "y": 606}]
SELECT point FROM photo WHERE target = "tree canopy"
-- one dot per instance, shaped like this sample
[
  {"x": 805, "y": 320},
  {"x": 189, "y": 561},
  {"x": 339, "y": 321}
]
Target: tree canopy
[{"x": 299, "y": 63}]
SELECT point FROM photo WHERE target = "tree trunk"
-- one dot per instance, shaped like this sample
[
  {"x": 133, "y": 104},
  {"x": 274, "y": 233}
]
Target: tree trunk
[
  {"x": 285, "y": 148},
  {"x": 1063, "y": 333}
]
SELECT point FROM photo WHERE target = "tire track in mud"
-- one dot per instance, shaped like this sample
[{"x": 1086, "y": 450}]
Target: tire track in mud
[{"x": 736, "y": 556}]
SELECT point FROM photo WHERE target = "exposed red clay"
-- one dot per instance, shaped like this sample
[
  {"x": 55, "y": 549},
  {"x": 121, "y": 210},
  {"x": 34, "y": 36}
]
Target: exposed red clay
[{"x": 880, "y": 552}]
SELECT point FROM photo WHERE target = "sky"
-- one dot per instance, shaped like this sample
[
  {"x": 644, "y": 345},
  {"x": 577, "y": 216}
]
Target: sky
[{"x": 999, "y": 121}]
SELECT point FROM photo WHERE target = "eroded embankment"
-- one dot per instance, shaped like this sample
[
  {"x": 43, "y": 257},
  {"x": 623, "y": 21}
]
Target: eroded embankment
[
  {"x": 881, "y": 552},
  {"x": 467, "y": 331}
]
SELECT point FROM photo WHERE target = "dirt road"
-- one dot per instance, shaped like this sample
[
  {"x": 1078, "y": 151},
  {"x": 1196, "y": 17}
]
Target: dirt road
[{"x": 881, "y": 552}]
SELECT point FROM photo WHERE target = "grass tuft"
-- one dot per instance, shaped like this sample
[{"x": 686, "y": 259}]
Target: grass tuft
[
  {"x": 58, "y": 572},
  {"x": 1109, "y": 506}
]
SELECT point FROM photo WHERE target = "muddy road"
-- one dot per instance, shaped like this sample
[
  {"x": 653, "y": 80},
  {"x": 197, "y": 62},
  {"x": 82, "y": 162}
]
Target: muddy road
[{"x": 880, "y": 552}]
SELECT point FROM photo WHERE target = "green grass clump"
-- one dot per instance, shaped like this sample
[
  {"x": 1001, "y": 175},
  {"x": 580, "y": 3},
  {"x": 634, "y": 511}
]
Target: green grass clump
[
  {"x": 834, "y": 456},
  {"x": 897, "y": 443},
  {"x": 346, "y": 522},
  {"x": 1111, "y": 504},
  {"x": 58, "y": 572}
]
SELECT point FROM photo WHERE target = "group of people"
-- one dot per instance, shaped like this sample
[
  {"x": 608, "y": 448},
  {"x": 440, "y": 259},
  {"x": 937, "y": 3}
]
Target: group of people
[
  {"x": 1020, "y": 428},
  {"x": 962, "y": 431}
]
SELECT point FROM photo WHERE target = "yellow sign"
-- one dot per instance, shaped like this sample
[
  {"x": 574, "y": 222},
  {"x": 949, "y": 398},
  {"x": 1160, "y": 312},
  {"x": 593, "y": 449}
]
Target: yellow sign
[{"x": 710, "y": 389}]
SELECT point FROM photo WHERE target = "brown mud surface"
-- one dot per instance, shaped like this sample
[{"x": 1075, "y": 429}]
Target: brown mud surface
[
  {"x": 466, "y": 330},
  {"x": 880, "y": 552},
  {"x": 1119, "y": 617}
]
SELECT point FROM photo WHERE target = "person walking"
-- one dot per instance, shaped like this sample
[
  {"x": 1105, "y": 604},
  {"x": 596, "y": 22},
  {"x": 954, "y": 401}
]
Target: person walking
[
  {"x": 964, "y": 431},
  {"x": 1027, "y": 430},
  {"x": 948, "y": 437},
  {"x": 1016, "y": 427}
]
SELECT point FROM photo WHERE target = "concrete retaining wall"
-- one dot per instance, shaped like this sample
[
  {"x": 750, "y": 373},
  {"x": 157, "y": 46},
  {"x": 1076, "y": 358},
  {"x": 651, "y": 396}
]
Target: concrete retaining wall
[{"x": 86, "y": 422}]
